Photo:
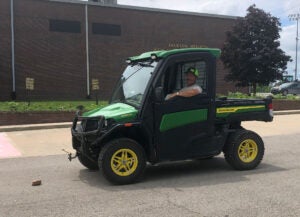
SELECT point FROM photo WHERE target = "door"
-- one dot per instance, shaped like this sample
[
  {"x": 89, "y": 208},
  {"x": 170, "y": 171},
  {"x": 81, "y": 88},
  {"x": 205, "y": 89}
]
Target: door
[{"x": 184, "y": 126}]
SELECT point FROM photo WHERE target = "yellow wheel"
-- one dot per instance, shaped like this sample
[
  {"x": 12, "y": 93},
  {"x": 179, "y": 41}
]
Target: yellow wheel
[
  {"x": 122, "y": 161},
  {"x": 244, "y": 150},
  {"x": 247, "y": 150}
]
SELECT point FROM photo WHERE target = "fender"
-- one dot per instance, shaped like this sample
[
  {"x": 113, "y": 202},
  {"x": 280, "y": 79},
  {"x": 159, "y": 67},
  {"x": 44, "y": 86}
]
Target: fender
[{"x": 114, "y": 129}]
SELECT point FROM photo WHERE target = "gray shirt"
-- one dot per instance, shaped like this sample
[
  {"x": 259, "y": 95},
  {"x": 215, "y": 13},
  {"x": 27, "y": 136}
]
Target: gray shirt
[{"x": 192, "y": 87}]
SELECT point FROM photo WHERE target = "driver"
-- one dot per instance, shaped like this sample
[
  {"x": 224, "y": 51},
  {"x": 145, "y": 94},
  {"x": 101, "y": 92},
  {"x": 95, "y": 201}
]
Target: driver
[{"x": 192, "y": 88}]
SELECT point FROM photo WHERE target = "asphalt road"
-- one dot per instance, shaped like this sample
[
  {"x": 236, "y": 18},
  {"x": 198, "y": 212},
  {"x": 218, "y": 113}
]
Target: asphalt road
[{"x": 190, "y": 188}]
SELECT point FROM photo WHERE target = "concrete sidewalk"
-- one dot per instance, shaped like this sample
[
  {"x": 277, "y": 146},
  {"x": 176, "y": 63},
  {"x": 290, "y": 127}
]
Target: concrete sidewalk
[
  {"x": 11, "y": 128},
  {"x": 22, "y": 127}
]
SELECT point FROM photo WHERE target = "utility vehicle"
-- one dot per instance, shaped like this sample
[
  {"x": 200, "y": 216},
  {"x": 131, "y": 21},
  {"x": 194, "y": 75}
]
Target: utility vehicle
[
  {"x": 287, "y": 88},
  {"x": 139, "y": 126}
]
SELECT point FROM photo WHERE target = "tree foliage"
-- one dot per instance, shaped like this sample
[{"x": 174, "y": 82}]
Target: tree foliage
[{"x": 251, "y": 51}]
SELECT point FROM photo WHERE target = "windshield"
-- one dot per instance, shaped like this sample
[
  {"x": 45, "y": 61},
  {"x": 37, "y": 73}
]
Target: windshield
[{"x": 131, "y": 87}]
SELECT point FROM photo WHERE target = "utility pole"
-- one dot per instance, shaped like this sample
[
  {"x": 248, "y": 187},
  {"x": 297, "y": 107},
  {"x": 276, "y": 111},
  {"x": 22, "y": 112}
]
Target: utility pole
[
  {"x": 12, "y": 16},
  {"x": 295, "y": 17}
]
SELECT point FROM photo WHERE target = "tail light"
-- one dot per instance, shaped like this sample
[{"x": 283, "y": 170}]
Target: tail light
[{"x": 270, "y": 107}]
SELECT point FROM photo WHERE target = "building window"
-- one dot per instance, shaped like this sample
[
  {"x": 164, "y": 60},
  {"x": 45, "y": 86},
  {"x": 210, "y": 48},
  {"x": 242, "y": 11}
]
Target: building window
[
  {"x": 64, "y": 26},
  {"x": 106, "y": 29}
]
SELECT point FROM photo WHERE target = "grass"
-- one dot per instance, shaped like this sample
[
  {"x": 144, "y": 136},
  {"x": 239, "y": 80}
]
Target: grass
[
  {"x": 239, "y": 95},
  {"x": 288, "y": 97},
  {"x": 22, "y": 106}
]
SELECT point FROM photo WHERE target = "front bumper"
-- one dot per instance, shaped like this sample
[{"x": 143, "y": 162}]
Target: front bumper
[{"x": 89, "y": 127}]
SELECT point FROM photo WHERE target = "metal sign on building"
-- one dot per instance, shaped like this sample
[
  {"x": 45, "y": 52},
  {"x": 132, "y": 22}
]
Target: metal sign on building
[
  {"x": 29, "y": 83},
  {"x": 95, "y": 84}
]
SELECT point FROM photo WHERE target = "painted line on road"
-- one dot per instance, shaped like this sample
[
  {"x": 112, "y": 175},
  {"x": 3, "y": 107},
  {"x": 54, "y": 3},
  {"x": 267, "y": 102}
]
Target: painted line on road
[{"x": 6, "y": 148}]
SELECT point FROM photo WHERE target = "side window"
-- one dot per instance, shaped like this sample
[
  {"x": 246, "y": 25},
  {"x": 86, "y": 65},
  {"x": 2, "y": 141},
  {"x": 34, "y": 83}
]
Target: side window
[
  {"x": 173, "y": 79},
  {"x": 202, "y": 78}
]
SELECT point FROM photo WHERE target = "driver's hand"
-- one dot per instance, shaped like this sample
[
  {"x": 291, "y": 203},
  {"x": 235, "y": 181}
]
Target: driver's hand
[{"x": 170, "y": 96}]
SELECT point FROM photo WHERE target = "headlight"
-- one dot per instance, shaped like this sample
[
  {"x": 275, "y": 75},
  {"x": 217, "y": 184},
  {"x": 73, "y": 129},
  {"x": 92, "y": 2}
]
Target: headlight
[{"x": 91, "y": 125}]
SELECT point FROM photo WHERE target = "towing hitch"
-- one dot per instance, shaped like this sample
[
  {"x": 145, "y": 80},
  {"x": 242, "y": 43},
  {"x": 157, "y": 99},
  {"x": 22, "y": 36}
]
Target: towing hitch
[{"x": 70, "y": 155}]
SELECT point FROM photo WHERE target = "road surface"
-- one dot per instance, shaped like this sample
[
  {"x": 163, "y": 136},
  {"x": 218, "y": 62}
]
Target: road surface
[{"x": 190, "y": 188}]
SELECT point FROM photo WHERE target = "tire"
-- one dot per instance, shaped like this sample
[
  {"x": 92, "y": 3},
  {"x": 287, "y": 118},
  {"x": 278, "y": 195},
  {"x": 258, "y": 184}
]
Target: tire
[
  {"x": 285, "y": 92},
  {"x": 122, "y": 161},
  {"x": 244, "y": 150},
  {"x": 88, "y": 163}
]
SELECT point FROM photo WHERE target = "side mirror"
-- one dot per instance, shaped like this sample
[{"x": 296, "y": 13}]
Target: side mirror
[{"x": 159, "y": 94}]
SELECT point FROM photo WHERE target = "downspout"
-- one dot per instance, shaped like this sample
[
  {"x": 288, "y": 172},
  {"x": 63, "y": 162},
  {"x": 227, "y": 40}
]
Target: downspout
[
  {"x": 13, "y": 93},
  {"x": 87, "y": 51}
]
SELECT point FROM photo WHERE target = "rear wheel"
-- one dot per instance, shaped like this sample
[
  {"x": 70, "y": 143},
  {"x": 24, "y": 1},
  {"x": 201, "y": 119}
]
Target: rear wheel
[
  {"x": 122, "y": 161},
  {"x": 244, "y": 150},
  {"x": 285, "y": 92}
]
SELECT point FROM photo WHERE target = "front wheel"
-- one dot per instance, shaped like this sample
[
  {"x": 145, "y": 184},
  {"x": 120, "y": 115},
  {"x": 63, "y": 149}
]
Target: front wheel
[
  {"x": 87, "y": 162},
  {"x": 244, "y": 150},
  {"x": 122, "y": 161}
]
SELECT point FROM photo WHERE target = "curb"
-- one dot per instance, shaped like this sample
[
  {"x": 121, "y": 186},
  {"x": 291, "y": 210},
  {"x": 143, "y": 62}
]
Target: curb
[
  {"x": 69, "y": 124},
  {"x": 35, "y": 127},
  {"x": 287, "y": 112}
]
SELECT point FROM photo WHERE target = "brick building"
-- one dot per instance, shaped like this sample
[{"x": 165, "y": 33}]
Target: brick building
[{"x": 50, "y": 44}]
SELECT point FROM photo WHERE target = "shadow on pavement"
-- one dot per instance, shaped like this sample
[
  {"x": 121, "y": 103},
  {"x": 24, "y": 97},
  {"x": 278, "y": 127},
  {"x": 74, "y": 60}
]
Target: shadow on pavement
[{"x": 181, "y": 174}]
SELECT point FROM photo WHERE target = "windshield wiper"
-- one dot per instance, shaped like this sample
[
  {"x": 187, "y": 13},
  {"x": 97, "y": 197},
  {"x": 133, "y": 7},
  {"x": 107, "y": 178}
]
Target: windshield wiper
[
  {"x": 126, "y": 102},
  {"x": 131, "y": 103}
]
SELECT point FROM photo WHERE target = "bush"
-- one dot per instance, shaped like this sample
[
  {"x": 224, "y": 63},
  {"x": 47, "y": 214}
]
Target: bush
[{"x": 239, "y": 95}]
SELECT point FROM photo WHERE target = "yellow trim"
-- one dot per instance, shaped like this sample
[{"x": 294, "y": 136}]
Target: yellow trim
[
  {"x": 247, "y": 150},
  {"x": 124, "y": 162},
  {"x": 234, "y": 109}
]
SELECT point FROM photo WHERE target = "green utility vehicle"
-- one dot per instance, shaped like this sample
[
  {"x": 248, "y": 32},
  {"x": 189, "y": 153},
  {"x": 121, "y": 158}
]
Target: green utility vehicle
[{"x": 140, "y": 126}]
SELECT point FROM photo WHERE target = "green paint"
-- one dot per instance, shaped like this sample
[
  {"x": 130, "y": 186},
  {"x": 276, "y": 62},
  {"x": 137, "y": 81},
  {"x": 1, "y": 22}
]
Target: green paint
[
  {"x": 165, "y": 53},
  {"x": 120, "y": 112},
  {"x": 177, "y": 119}
]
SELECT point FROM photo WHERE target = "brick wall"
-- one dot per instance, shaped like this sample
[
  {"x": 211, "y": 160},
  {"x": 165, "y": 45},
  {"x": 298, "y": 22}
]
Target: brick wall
[
  {"x": 57, "y": 60},
  {"x": 279, "y": 105},
  {"x": 8, "y": 118}
]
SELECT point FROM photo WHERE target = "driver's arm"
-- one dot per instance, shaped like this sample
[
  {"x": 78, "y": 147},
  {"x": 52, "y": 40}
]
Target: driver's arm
[
  {"x": 189, "y": 93},
  {"x": 185, "y": 93}
]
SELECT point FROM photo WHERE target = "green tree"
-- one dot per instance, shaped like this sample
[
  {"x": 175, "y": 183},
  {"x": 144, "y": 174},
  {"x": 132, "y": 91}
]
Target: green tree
[{"x": 251, "y": 51}]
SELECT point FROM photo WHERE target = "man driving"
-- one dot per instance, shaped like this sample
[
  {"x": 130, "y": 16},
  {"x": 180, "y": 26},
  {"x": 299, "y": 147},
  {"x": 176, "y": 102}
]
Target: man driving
[{"x": 192, "y": 87}]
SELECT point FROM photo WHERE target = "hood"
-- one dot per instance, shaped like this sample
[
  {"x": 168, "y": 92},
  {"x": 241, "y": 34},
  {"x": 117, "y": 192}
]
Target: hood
[{"x": 120, "y": 112}]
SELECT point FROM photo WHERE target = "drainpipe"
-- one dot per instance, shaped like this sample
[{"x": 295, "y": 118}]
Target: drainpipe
[
  {"x": 13, "y": 93},
  {"x": 87, "y": 51}
]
